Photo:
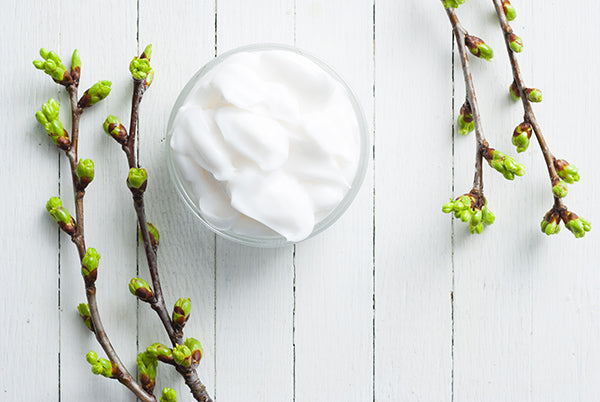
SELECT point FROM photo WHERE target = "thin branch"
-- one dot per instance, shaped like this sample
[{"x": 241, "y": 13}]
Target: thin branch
[
  {"x": 459, "y": 35},
  {"x": 78, "y": 238},
  {"x": 189, "y": 374},
  {"x": 527, "y": 108}
]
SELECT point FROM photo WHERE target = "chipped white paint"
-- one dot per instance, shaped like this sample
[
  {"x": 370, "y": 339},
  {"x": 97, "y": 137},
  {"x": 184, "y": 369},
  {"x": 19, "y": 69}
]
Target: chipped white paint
[{"x": 299, "y": 323}]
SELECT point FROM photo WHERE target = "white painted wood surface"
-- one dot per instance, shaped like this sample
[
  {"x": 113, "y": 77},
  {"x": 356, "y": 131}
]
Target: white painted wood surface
[{"x": 363, "y": 311}]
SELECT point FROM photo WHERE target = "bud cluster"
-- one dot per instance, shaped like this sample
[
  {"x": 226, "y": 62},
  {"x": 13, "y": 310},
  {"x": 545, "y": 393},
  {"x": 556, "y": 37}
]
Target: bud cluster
[
  {"x": 471, "y": 208},
  {"x": 479, "y": 48},
  {"x": 140, "y": 67},
  {"x": 503, "y": 163},
  {"x": 566, "y": 171},
  {"x": 54, "y": 67},
  {"x": 48, "y": 117},
  {"x": 466, "y": 123},
  {"x": 102, "y": 366},
  {"x": 551, "y": 223},
  {"x": 189, "y": 354},
  {"x": 61, "y": 215}
]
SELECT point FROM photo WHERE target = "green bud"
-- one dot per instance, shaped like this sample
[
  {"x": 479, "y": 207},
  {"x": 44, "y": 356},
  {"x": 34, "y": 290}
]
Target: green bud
[
  {"x": 154, "y": 235},
  {"x": 521, "y": 136},
  {"x": 551, "y": 228},
  {"x": 569, "y": 173},
  {"x": 182, "y": 355},
  {"x": 453, "y": 3},
  {"x": 509, "y": 10},
  {"x": 48, "y": 118},
  {"x": 113, "y": 127},
  {"x": 140, "y": 288},
  {"x": 161, "y": 352},
  {"x": 195, "y": 346},
  {"x": 576, "y": 225},
  {"x": 105, "y": 368},
  {"x": 466, "y": 124},
  {"x": 515, "y": 43},
  {"x": 448, "y": 207},
  {"x": 95, "y": 94},
  {"x": 168, "y": 395},
  {"x": 85, "y": 171},
  {"x": 84, "y": 313},
  {"x": 60, "y": 215},
  {"x": 181, "y": 311},
  {"x": 465, "y": 215},
  {"x": 89, "y": 266},
  {"x": 488, "y": 217},
  {"x": 147, "y": 365},
  {"x": 503, "y": 163},
  {"x": 478, "y": 47},
  {"x": 560, "y": 189},
  {"x": 137, "y": 179},
  {"x": 75, "y": 60},
  {"x": 147, "y": 53},
  {"x": 91, "y": 357},
  {"x": 534, "y": 95},
  {"x": 515, "y": 94},
  {"x": 477, "y": 217},
  {"x": 53, "y": 66}
]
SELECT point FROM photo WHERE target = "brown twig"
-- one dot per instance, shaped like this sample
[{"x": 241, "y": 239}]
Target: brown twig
[
  {"x": 189, "y": 374},
  {"x": 78, "y": 238},
  {"x": 527, "y": 108},
  {"x": 459, "y": 35}
]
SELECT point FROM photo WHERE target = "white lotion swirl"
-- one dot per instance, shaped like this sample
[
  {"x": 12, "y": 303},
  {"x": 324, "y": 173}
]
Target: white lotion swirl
[{"x": 267, "y": 142}]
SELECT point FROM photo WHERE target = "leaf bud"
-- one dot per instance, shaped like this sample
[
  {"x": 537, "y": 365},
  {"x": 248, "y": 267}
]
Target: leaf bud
[
  {"x": 113, "y": 127},
  {"x": 466, "y": 123},
  {"x": 521, "y": 136},
  {"x": 560, "y": 189},
  {"x": 181, "y": 312},
  {"x": 140, "y": 288},
  {"x": 478, "y": 47},
  {"x": 147, "y": 365},
  {"x": 60, "y": 215},
  {"x": 154, "y": 235},
  {"x": 89, "y": 266},
  {"x": 515, "y": 43},
  {"x": 196, "y": 347},
  {"x": 137, "y": 179},
  {"x": 509, "y": 10},
  {"x": 94, "y": 94},
  {"x": 140, "y": 67},
  {"x": 182, "y": 355},
  {"x": 515, "y": 94},
  {"x": 85, "y": 172},
  {"x": 48, "y": 118},
  {"x": 534, "y": 95},
  {"x": 576, "y": 225},
  {"x": 75, "y": 67},
  {"x": 161, "y": 352},
  {"x": 84, "y": 313}
]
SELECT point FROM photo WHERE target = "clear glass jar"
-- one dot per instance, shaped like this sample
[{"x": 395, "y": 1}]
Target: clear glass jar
[{"x": 269, "y": 241}]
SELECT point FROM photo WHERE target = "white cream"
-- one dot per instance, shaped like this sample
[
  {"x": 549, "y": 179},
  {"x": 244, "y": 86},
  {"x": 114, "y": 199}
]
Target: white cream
[{"x": 268, "y": 144}]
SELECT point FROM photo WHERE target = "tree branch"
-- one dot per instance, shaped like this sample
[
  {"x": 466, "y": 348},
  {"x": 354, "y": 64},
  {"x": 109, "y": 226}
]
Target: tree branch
[{"x": 459, "y": 35}]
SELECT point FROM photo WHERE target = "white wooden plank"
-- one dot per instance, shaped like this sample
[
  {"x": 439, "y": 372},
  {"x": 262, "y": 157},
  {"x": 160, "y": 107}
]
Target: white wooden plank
[
  {"x": 334, "y": 271},
  {"x": 182, "y": 35},
  {"x": 565, "y": 355},
  {"x": 29, "y": 238},
  {"x": 105, "y": 34},
  {"x": 254, "y": 287},
  {"x": 413, "y": 172}
]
